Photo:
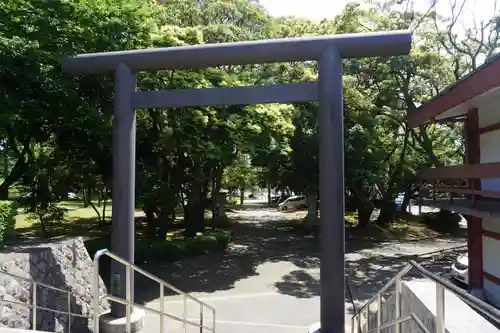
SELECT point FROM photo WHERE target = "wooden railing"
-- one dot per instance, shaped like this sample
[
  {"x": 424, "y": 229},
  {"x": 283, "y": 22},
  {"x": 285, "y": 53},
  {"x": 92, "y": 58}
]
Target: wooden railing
[
  {"x": 459, "y": 181},
  {"x": 463, "y": 171}
]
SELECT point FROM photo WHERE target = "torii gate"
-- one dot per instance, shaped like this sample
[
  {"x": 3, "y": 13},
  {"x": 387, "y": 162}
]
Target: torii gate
[{"x": 327, "y": 50}]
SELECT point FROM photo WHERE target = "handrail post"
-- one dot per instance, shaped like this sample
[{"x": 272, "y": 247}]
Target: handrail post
[
  {"x": 95, "y": 288},
  {"x": 440, "y": 322},
  {"x": 129, "y": 301},
  {"x": 379, "y": 312},
  {"x": 398, "y": 304},
  {"x": 34, "y": 306},
  {"x": 184, "y": 315},
  {"x": 69, "y": 312},
  {"x": 129, "y": 287},
  {"x": 201, "y": 318},
  {"x": 162, "y": 307},
  {"x": 213, "y": 318},
  {"x": 367, "y": 321}
]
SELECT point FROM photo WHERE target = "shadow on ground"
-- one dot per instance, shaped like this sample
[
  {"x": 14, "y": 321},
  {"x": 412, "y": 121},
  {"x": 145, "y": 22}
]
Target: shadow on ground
[
  {"x": 367, "y": 275},
  {"x": 265, "y": 241},
  {"x": 253, "y": 244}
]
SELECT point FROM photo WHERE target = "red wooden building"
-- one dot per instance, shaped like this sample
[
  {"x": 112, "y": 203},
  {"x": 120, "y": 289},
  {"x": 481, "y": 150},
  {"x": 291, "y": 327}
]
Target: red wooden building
[{"x": 474, "y": 100}]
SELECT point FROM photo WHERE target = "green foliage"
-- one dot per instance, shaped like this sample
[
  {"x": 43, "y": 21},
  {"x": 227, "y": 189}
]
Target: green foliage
[
  {"x": 171, "y": 250},
  {"x": 8, "y": 212},
  {"x": 443, "y": 221},
  {"x": 48, "y": 118},
  {"x": 241, "y": 174},
  {"x": 48, "y": 215},
  {"x": 232, "y": 200}
]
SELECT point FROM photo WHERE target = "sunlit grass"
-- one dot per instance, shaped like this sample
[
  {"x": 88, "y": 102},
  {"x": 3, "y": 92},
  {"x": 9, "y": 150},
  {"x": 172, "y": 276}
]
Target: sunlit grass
[
  {"x": 83, "y": 221},
  {"x": 75, "y": 210}
]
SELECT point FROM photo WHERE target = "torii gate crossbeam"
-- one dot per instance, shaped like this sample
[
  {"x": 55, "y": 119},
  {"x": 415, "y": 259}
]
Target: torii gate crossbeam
[{"x": 327, "y": 50}]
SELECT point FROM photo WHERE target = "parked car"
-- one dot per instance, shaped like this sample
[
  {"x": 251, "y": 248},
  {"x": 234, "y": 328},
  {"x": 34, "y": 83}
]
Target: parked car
[
  {"x": 399, "y": 200},
  {"x": 294, "y": 202},
  {"x": 460, "y": 269},
  {"x": 279, "y": 198}
]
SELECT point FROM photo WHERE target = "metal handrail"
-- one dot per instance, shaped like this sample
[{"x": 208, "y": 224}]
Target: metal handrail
[
  {"x": 131, "y": 268},
  {"x": 441, "y": 286},
  {"x": 472, "y": 301},
  {"x": 34, "y": 306}
]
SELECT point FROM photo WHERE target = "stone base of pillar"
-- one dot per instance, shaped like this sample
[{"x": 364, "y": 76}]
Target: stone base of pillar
[{"x": 110, "y": 324}]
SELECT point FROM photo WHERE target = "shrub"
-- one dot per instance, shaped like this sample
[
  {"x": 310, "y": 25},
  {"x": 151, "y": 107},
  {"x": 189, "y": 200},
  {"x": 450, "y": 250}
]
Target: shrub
[
  {"x": 233, "y": 200},
  {"x": 8, "y": 212},
  {"x": 47, "y": 215},
  {"x": 443, "y": 221},
  {"x": 170, "y": 250}
]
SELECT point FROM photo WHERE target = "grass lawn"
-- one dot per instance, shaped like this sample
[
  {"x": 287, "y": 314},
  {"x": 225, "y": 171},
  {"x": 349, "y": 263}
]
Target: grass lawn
[
  {"x": 405, "y": 227},
  {"x": 78, "y": 221},
  {"x": 83, "y": 221}
]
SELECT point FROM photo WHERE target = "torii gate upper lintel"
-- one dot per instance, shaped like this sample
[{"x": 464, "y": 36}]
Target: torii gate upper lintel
[{"x": 327, "y": 50}]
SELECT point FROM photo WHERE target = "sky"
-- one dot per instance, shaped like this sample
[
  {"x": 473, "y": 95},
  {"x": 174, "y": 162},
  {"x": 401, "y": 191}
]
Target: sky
[{"x": 319, "y": 9}]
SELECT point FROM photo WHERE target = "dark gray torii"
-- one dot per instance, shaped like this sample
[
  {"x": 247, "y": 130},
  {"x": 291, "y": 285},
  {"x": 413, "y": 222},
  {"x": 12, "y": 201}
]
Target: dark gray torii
[{"x": 327, "y": 50}]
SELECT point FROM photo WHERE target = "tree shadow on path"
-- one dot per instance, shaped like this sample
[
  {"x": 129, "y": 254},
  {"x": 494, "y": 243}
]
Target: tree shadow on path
[
  {"x": 261, "y": 240},
  {"x": 254, "y": 243}
]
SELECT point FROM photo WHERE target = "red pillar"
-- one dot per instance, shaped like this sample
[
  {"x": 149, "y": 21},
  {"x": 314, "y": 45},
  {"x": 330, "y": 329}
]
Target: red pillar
[{"x": 474, "y": 224}]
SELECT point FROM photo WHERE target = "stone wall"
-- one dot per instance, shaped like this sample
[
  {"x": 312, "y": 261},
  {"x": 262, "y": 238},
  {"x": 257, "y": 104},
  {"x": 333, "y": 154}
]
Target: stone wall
[{"x": 65, "y": 265}]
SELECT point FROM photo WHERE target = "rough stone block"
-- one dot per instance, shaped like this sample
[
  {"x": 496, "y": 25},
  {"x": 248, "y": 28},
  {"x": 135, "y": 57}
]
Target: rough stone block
[{"x": 65, "y": 265}]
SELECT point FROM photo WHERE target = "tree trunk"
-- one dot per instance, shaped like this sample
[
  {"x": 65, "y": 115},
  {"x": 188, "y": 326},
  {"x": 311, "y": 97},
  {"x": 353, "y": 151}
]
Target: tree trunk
[
  {"x": 216, "y": 185},
  {"x": 6, "y": 160},
  {"x": 43, "y": 226},
  {"x": 388, "y": 208},
  {"x": 406, "y": 200},
  {"x": 100, "y": 220},
  {"x": 15, "y": 174},
  {"x": 194, "y": 216},
  {"x": 87, "y": 195},
  {"x": 151, "y": 222},
  {"x": 242, "y": 195},
  {"x": 387, "y": 211},
  {"x": 269, "y": 198},
  {"x": 312, "y": 205},
  {"x": 365, "y": 211},
  {"x": 164, "y": 224},
  {"x": 360, "y": 201},
  {"x": 104, "y": 205}
]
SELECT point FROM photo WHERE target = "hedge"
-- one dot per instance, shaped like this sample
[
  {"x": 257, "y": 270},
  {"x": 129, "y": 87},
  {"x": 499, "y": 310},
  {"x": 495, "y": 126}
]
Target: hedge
[
  {"x": 443, "y": 221},
  {"x": 8, "y": 212},
  {"x": 170, "y": 250}
]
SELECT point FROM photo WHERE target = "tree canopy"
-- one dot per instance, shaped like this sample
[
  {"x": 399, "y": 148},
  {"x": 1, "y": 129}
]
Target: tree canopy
[{"x": 56, "y": 131}]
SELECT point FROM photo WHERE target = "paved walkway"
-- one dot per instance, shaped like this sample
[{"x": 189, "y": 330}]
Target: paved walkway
[{"x": 269, "y": 279}]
